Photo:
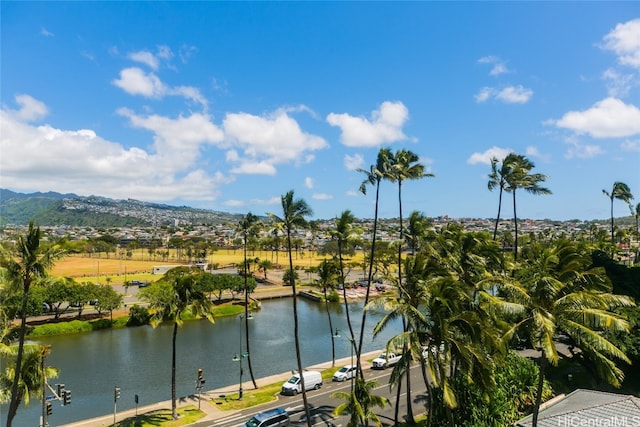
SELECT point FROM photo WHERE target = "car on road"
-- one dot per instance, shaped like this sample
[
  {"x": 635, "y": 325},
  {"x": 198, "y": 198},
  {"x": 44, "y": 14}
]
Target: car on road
[
  {"x": 345, "y": 373},
  {"x": 385, "y": 360},
  {"x": 277, "y": 417}
]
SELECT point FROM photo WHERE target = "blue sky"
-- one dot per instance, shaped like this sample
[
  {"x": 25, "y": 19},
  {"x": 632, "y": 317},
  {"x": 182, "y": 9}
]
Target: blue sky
[{"x": 229, "y": 105}]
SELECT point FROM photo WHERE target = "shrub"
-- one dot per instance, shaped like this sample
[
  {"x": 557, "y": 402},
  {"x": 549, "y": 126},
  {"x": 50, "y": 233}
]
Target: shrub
[{"x": 138, "y": 316}]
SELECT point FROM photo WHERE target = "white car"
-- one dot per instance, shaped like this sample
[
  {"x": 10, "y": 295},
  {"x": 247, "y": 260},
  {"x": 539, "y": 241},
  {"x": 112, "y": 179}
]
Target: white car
[
  {"x": 385, "y": 360},
  {"x": 345, "y": 373}
]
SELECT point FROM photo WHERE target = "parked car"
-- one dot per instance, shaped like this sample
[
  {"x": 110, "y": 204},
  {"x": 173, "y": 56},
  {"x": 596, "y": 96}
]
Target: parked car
[
  {"x": 385, "y": 360},
  {"x": 277, "y": 417},
  {"x": 312, "y": 380},
  {"x": 345, "y": 373}
]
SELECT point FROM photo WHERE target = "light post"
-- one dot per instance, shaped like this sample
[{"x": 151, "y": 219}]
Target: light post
[
  {"x": 241, "y": 355},
  {"x": 351, "y": 344}
]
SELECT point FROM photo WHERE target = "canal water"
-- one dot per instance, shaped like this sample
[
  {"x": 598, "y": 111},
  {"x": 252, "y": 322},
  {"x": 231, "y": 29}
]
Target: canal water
[{"x": 138, "y": 359}]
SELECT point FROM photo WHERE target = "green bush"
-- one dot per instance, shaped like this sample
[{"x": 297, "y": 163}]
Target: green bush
[
  {"x": 138, "y": 316},
  {"x": 61, "y": 328}
]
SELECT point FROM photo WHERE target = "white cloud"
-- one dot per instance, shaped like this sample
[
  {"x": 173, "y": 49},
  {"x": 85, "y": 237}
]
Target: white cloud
[
  {"x": 624, "y": 41},
  {"x": 385, "y": 126},
  {"x": 609, "y": 118},
  {"x": 499, "y": 66},
  {"x": 308, "y": 182},
  {"x": 514, "y": 95},
  {"x": 579, "y": 150},
  {"x": 532, "y": 151},
  {"x": 83, "y": 162},
  {"x": 321, "y": 196},
  {"x": 618, "y": 85},
  {"x": 135, "y": 81},
  {"x": 261, "y": 202},
  {"x": 186, "y": 52},
  {"x": 45, "y": 32},
  {"x": 508, "y": 95},
  {"x": 631, "y": 145},
  {"x": 30, "y": 109},
  {"x": 352, "y": 193},
  {"x": 486, "y": 156},
  {"x": 353, "y": 162},
  {"x": 484, "y": 94},
  {"x": 268, "y": 141},
  {"x": 146, "y": 58}
]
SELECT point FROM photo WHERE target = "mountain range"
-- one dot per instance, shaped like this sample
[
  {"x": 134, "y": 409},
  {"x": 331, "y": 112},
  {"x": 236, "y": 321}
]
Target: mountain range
[{"x": 53, "y": 208}]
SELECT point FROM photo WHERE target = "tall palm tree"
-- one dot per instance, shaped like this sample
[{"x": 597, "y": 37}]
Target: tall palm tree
[
  {"x": 343, "y": 233},
  {"x": 521, "y": 177},
  {"x": 498, "y": 178},
  {"x": 374, "y": 177},
  {"x": 248, "y": 226},
  {"x": 294, "y": 212},
  {"x": 562, "y": 293},
  {"x": 619, "y": 191},
  {"x": 178, "y": 292},
  {"x": 404, "y": 166},
  {"x": 29, "y": 263},
  {"x": 328, "y": 275}
]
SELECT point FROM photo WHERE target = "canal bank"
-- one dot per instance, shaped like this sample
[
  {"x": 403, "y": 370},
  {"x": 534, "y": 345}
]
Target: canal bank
[{"x": 212, "y": 412}]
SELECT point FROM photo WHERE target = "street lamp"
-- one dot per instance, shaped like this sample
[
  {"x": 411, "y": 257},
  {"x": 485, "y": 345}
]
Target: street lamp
[
  {"x": 351, "y": 344},
  {"x": 241, "y": 355}
]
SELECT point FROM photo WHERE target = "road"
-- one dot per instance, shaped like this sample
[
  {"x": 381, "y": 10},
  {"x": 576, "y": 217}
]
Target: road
[{"x": 321, "y": 404}]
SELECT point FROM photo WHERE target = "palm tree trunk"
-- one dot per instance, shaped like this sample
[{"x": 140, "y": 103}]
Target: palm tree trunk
[
  {"x": 612, "y": 236},
  {"x": 333, "y": 340},
  {"x": 174, "y": 409},
  {"x": 515, "y": 224},
  {"x": 246, "y": 315},
  {"x": 495, "y": 228},
  {"x": 15, "y": 400},
  {"x": 536, "y": 409},
  {"x": 246, "y": 334},
  {"x": 369, "y": 280},
  {"x": 344, "y": 292},
  {"x": 295, "y": 332}
]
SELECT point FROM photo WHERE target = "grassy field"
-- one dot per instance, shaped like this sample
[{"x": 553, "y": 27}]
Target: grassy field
[{"x": 100, "y": 268}]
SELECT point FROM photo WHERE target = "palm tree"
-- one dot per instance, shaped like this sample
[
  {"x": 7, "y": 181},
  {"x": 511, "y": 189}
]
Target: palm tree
[
  {"x": 28, "y": 264},
  {"x": 178, "y": 292},
  {"x": 359, "y": 404},
  {"x": 619, "y": 191},
  {"x": 404, "y": 165},
  {"x": 294, "y": 212},
  {"x": 343, "y": 233},
  {"x": 562, "y": 294},
  {"x": 33, "y": 375},
  {"x": 498, "y": 178},
  {"x": 416, "y": 232},
  {"x": 247, "y": 227},
  {"x": 374, "y": 177},
  {"x": 520, "y": 177},
  {"x": 328, "y": 275},
  {"x": 458, "y": 327}
]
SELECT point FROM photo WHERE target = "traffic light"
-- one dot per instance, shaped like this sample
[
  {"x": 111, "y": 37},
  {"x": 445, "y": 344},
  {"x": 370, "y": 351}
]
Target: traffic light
[
  {"x": 116, "y": 393},
  {"x": 200, "y": 379},
  {"x": 60, "y": 391},
  {"x": 49, "y": 408},
  {"x": 66, "y": 399}
]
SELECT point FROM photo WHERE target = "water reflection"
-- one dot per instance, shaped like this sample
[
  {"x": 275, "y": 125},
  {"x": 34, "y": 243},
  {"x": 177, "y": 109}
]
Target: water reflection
[{"x": 138, "y": 360}]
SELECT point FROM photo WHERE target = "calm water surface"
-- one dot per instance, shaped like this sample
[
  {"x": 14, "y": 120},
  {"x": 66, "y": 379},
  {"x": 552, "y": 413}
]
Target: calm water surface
[{"x": 138, "y": 360}]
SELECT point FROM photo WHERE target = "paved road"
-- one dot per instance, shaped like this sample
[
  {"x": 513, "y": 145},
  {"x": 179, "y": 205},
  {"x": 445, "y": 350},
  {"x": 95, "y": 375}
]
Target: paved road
[{"x": 320, "y": 401}]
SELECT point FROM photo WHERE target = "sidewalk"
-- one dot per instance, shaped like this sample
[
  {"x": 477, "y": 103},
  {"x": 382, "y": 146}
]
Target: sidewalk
[{"x": 212, "y": 412}]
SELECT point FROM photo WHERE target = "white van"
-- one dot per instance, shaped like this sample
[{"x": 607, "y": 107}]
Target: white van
[{"x": 312, "y": 380}]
